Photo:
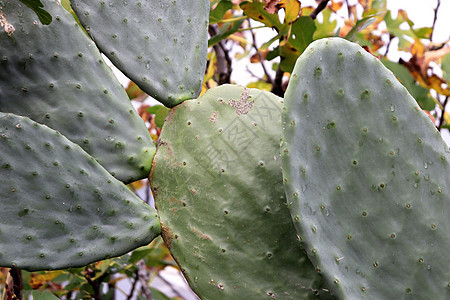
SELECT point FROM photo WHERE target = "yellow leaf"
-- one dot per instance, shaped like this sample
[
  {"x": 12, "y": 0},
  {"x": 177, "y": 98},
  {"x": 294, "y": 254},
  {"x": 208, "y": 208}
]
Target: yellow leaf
[
  {"x": 36, "y": 279},
  {"x": 307, "y": 10},
  {"x": 292, "y": 10},
  {"x": 417, "y": 48}
]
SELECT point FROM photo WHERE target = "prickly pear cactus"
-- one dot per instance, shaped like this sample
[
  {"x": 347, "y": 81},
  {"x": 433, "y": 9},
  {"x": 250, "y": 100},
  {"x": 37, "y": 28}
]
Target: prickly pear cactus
[
  {"x": 160, "y": 45},
  {"x": 58, "y": 206},
  {"x": 55, "y": 75},
  {"x": 218, "y": 188},
  {"x": 368, "y": 177}
]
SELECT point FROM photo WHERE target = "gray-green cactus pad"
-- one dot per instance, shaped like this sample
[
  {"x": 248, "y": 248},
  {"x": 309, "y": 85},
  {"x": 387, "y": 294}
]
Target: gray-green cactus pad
[
  {"x": 55, "y": 75},
  {"x": 160, "y": 45},
  {"x": 218, "y": 188},
  {"x": 58, "y": 207},
  {"x": 368, "y": 176}
]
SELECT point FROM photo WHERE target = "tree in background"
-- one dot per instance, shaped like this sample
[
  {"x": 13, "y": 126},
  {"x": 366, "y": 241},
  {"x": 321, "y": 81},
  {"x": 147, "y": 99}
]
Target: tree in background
[{"x": 233, "y": 28}]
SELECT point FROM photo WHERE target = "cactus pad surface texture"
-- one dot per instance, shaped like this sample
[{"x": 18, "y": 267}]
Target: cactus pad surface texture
[
  {"x": 160, "y": 45},
  {"x": 56, "y": 76},
  {"x": 368, "y": 175},
  {"x": 58, "y": 207},
  {"x": 218, "y": 188}
]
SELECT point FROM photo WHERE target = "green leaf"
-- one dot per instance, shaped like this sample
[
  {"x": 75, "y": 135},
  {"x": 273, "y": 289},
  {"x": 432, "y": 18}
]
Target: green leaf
[
  {"x": 216, "y": 15},
  {"x": 302, "y": 33},
  {"x": 327, "y": 27},
  {"x": 160, "y": 113},
  {"x": 359, "y": 26},
  {"x": 139, "y": 254},
  {"x": 225, "y": 31},
  {"x": 158, "y": 295},
  {"x": 44, "y": 295},
  {"x": 421, "y": 94},
  {"x": 393, "y": 27},
  {"x": 273, "y": 53},
  {"x": 257, "y": 12},
  {"x": 423, "y": 32},
  {"x": 445, "y": 65},
  {"x": 37, "y": 7}
]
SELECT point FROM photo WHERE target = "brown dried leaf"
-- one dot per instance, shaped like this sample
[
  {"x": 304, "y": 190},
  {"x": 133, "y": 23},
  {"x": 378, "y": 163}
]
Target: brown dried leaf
[{"x": 272, "y": 6}]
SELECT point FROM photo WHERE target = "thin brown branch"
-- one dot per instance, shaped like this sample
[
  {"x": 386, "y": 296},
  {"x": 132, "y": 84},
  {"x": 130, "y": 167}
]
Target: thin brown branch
[
  {"x": 277, "y": 86},
  {"x": 391, "y": 37},
  {"x": 349, "y": 13},
  {"x": 223, "y": 58},
  {"x": 17, "y": 279},
  {"x": 13, "y": 285},
  {"x": 441, "y": 121},
  {"x": 435, "y": 18},
  {"x": 261, "y": 60},
  {"x": 319, "y": 8},
  {"x": 133, "y": 286},
  {"x": 143, "y": 279},
  {"x": 253, "y": 74}
]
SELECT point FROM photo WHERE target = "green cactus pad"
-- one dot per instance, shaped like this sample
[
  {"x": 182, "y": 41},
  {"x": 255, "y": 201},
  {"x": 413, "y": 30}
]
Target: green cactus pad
[
  {"x": 58, "y": 207},
  {"x": 160, "y": 45},
  {"x": 368, "y": 176},
  {"x": 218, "y": 188},
  {"x": 55, "y": 75}
]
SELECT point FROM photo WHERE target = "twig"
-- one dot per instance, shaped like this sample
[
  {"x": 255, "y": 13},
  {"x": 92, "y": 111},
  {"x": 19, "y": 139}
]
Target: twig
[
  {"x": 391, "y": 37},
  {"x": 348, "y": 9},
  {"x": 148, "y": 192},
  {"x": 170, "y": 285},
  {"x": 143, "y": 279},
  {"x": 133, "y": 287},
  {"x": 253, "y": 74},
  {"x": 441, "y": 121},
  {"x": 17, "y": 279},
  {"x": 269, "y": 78},
  {"x": 223, "y": 58},
  {"x": 277, "y": 86},
  {"x": 319, "y": 8},
  {"x": 435, "y": 18}
]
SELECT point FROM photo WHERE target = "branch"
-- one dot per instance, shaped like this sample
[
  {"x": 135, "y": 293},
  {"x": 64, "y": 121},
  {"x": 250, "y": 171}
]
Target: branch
[
  {"x": 143, "y": 279},
  {"x": 223, "y": 58},
  {"x": 133, "y": 287},
  {"x": 318, "y": 9},
  {"x": 348, "y": 9},
  {"x": 391, "y": 37},
  {"x": 269, "y": 78},
  {"x": 441, "y": 121},
  {"x": 435, "y": 18},
  {"x": 17, "y": 279},
  {"x": 277, "y": 86}
]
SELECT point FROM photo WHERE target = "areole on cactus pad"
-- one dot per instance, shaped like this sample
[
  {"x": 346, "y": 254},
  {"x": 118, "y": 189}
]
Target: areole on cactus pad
[
  {"x": 368, "y": 176},
  {"x": 218, "y": 188},
  {"x": 58, "y": 207}
]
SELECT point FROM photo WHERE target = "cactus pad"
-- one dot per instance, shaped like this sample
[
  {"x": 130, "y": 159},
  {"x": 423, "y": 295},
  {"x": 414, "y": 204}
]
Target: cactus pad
[
  {"x": 58, "y": 207},
  {"x": 55, "y": 75},
  {"x": 160, "y": 45},
  {"x": 218, "y": 188},
  {"x": 368, "y": 176}
]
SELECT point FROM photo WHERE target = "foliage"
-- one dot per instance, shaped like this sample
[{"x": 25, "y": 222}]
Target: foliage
[{"x": 234, "y": 27}]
